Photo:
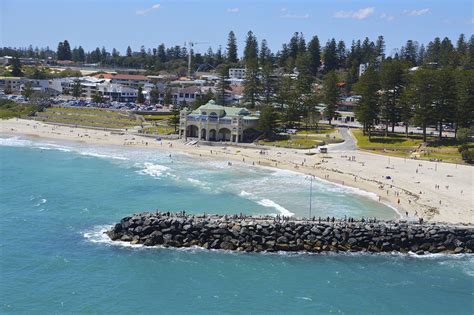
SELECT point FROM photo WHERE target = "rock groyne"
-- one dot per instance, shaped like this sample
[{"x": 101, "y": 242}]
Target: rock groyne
[{"x": 257, "y": 234}]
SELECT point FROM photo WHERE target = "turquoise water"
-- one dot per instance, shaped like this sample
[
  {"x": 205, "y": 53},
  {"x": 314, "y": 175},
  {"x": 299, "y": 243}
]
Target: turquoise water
[{"x": 56, "y": 198}]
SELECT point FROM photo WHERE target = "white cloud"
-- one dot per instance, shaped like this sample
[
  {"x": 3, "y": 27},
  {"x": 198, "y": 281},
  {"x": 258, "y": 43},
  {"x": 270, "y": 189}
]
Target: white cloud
[
  {"x": 283, "y": 9},
  {"x": 233, "y": 10},
  {"x": 385, "y": 16},
  {"x": 147, "y": 10},
  {"x": 295, "y": 16},
  {"x": 417, "y": 12},
  {"x": 471, "y": 21},
  {"x": 359, "y": 14}
]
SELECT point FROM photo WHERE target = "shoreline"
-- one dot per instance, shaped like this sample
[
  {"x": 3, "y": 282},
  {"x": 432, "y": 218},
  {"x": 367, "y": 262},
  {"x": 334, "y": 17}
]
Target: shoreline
[{"x": 351, "y": 169}]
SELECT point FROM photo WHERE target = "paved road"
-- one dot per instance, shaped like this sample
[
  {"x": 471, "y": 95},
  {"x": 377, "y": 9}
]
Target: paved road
[
  {"x": 349, "y": 143},
  {"x": 400, "y": 129}
]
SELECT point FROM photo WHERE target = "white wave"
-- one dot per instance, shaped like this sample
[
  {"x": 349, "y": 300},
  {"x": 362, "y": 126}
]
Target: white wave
[
  {"x": 97, "y": 235},
  {"x": 105, "y": 156},
  {"x": 19, "y": 142},
  {"x": 53, "y": 147},
  {"x": 271, "y": 204},
  {"x": 466, "y": 265},
  {"x": 155, "y": 170},
  {"x": 15, "y": 142},
  {"x": 304, "y": 298},
  {"x": 42, "y": 201},
  {"x": 197, "y": 182},
  {"x": 243, "y": 193},
  {"x": 401, "y": 216},
  {"x": 266, "y": 203}
]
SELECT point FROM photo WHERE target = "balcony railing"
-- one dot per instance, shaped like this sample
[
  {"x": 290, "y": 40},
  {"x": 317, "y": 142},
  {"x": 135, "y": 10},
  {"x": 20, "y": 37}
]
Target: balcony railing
[{"x": 209, "y": 118}]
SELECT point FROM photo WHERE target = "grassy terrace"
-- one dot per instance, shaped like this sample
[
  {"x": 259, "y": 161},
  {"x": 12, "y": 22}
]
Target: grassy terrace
[
  {"x": 398, "y": 145},
  {"x": 158, "y": 130},
  {"x": 11, "y": 109},
  {"x": 89, "y": 111},
  {"x": 88, "y": 117},
  {"x": 156, "y": 117},
  {"x": 84, "y": 123}
]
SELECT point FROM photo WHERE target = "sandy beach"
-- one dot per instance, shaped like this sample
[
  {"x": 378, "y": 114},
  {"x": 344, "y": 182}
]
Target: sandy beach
[{"x": 437, "y": 192}]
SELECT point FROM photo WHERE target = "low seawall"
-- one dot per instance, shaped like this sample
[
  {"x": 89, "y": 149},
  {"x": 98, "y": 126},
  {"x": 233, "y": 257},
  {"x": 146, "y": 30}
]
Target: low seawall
[{"x": 257, "y": 234}]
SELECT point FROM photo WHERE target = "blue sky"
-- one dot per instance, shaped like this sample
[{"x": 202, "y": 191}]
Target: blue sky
[{"x": 119, "y": 23}]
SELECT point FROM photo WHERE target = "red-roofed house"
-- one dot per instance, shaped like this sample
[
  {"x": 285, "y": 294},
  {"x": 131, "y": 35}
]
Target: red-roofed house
[{"x": 104, "y": 76}]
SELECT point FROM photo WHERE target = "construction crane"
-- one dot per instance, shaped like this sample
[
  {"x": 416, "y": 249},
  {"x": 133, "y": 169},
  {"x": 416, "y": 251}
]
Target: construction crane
[{"x": 190, "y": 44}]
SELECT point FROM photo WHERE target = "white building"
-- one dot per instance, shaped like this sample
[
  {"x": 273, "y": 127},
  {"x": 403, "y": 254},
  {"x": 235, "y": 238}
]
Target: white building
[
  {"x": 362, "y": 68},
  {"x": 237, "y": 73},
  {"x": 117, "y": 92},
  {"x": 11, "y": 83},
  {"x": 88, "y": 89},
  {"x": 212, "y": 122},
  {"x": 130, "y": 79}
]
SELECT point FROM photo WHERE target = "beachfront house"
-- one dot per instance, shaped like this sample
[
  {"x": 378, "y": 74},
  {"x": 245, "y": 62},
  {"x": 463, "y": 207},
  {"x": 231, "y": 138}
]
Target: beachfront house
[
  {"x": 213, "y": 122},
  {"x": 130, "y": 79},
  {"x": 117, "y": 92},
  {"x": 11, "y": 83}
]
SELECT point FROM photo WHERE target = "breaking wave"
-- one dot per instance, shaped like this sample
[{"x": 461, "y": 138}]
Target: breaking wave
[
  {"x": 266, "y": 203},
  {"x": 154, "y": 170}
]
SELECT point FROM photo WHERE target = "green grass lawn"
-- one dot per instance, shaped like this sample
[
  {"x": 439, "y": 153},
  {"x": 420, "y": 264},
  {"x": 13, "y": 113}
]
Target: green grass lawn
[
  {"x": 302, "y": 143},
  {"x": 88, "y": 110},
  {"x": 89, "y": 117},
  {"x": 156, "y": 117},
  {"x": 321, "y": 130},
  {"x": 84, "y": 122},
  {"x": 159, "y": 130},
  {"x": 398, "y": 145},
  {"x": 392, "y": 141},
  {"x": 11, "y": 109}
]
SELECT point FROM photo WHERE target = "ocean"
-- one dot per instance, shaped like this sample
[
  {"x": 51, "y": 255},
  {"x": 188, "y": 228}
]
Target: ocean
[{"x": 58, "y": 197}]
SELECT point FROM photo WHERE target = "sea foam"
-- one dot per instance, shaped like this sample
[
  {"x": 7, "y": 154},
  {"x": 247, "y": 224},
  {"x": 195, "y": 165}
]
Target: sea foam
[
  {"x": 266, "y": 203},
  {"x": 105, "y": 156},
  {"x": 154, "y": 170}
]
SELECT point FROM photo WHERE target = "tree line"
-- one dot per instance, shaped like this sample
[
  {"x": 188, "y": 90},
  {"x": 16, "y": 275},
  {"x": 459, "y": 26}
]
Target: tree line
[
  {"x": 431, "y": 95},
  {"x": 335, "y": 54},
  {"x": 439, "y": 92}
]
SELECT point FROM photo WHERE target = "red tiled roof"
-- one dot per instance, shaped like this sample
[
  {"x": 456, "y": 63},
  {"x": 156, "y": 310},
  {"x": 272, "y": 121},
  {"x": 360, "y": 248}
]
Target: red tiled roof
[
  {"x": 130, "y": 77},
  {"x": 104, "y": 76}
]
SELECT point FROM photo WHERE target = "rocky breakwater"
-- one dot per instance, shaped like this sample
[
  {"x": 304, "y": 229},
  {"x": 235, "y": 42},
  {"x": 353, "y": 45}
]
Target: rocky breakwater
[{"x": 257, "y": 234}]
